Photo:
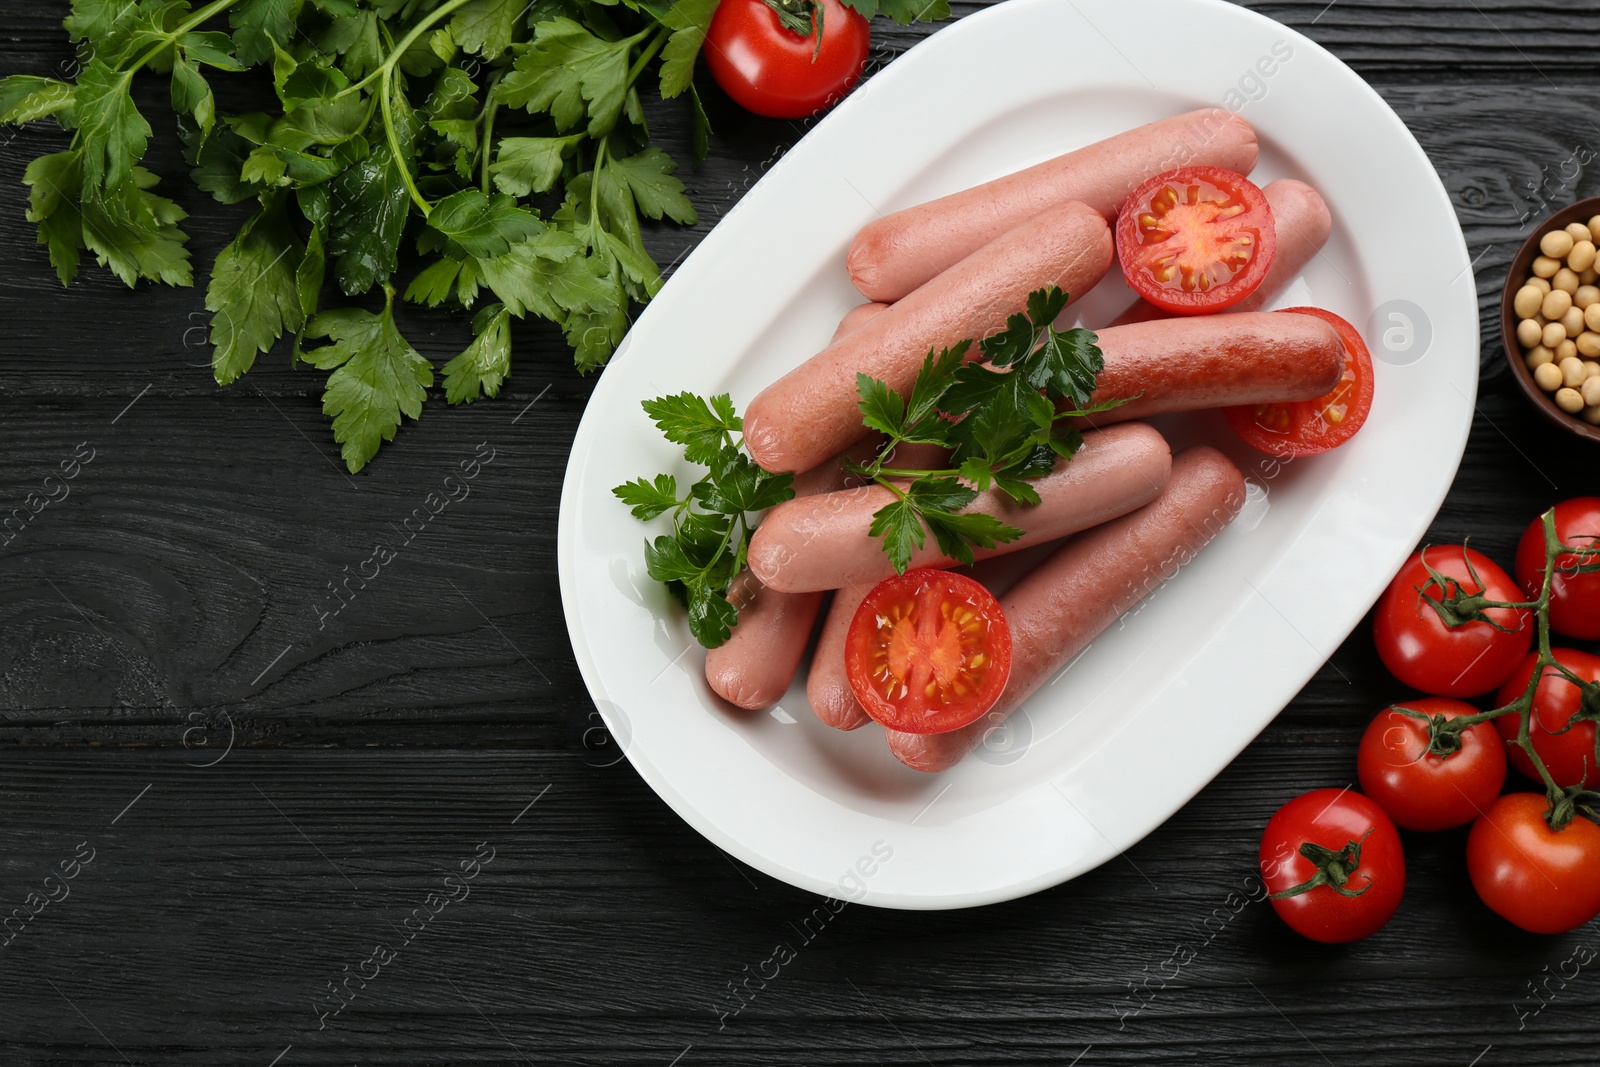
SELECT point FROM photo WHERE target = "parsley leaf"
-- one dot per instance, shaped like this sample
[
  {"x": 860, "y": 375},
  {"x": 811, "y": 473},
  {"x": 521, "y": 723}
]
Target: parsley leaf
[
  {"x": 900, "y": 526},
  {"x": 649, "y": 499},
  {"x": 569, "y": 72},
  {"x": 253, "y": 295},
  {"x": 702, "y": 427},
  {"x": 53, "y": 204},
  {"x": 262, "y": 26},
  {"x": 484, "y": 226},
  {"x": 486, "y": 363},
  {"x": 689, "y": 21},
  {"x": 711, "y": 529},
  {"x": 135, "y": 233},
  {"x": 370, "y": 206},
  {"x": 112, "y": 135},
  {"x": 24, "y": 98},
  {"x": 377, "y": 376},
  {"x": 648, "y": 175},
  {"x": 905, "y": 12},
  {"x": 487, "y": 26},
  {"x": 524, "y": 165},
  {"x": 1000, "y": 420}
]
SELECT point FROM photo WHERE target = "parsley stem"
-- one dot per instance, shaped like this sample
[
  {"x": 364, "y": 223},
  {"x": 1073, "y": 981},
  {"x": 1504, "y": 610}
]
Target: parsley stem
[
  {"x": 647, "y": 55},
  {"x": 594, "y": 181},
  {"x": 401, "y": 48},
  {"x": 400, "y": 158},
  {"x": 199, "y": 17},
  {"x": 487, "y": 139},
  {"x": 898, "y": 472}
]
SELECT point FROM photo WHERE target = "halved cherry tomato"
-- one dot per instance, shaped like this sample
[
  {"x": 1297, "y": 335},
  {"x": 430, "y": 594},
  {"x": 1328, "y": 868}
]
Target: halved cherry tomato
[
  {"x": 1359, "y": 850},
  {"x": 1567, "y": 751},
  {"x": 1543, "y": 880},
  {"x": 1424, "y": 652},
  {"x": 1196, "y": 239},
  {"x": 1424, "y": 791},
  {"x": 928, "y": 651},
  {"x": 1309, "y": 427},
  {"x": 1574, "y": 598},
  {"x": 771, "y": 69}
]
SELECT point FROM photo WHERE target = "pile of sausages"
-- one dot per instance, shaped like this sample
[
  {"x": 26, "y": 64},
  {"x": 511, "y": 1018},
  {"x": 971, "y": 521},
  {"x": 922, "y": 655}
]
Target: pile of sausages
[{"x": 956, "y": 268}]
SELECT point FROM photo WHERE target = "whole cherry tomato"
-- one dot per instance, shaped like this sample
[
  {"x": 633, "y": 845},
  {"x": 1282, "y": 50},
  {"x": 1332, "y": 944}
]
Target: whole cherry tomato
[
  {"x": 1543, "y": 880},
  {"x": 1568, "y": 752},
  {"x": 778, "y": 70},
  {"x": 1574, "y": 598},
  {"x": 1427, "y": 791},
  {"x": 1332, "y": 861},
  {"x": 1422, "y": 650}
]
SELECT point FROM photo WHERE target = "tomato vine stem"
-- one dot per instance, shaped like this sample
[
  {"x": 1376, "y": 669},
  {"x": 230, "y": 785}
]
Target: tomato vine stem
[{"x": 1444, "y": 735}]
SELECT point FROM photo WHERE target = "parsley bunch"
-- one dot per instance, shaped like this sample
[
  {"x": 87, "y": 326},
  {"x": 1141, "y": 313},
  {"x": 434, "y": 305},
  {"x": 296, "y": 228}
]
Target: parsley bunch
[
  {"x": 1001, "y": 418},
  {"x": 505, "y": 141},
  {"x": 710, "y": 523}
]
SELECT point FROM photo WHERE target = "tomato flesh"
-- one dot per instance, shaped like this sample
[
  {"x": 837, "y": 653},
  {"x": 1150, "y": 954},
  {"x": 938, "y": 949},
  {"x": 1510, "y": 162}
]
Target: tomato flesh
[
  {"x": 1333, "y": 818},
  {"x": 1196, "y": 239},
  {"x": 1424, "y": 653},
  {"x": 1310, "y": 427},
  {"x": 1566, "y": 748},
  {"x": 928, "y": 651},
  {"x": 1574, "y": 597},
  {"x": 773, "y": 71},
  {"x": 1424, "y": 791},
  {"x": 1543, "y": 880}
]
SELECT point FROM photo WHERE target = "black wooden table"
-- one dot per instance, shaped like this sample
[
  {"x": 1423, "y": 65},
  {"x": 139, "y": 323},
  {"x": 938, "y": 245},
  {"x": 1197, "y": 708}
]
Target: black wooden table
[{"x": 268, "y": 792}]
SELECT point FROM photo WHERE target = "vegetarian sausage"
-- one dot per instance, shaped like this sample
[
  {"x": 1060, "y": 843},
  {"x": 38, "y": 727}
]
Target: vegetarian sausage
[
  {"x": 1071, "y": 597},
  {"x": 895, "y": 254},
  {"x": 1302, "y": 223},
  {"x": 1193, "y": 362},
  {"x": 755, "y": 666},
  {"x": 822, "y": 542},
  {"x": 810, "y": 413}
]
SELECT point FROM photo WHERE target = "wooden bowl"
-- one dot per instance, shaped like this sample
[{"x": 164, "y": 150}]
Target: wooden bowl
[{"x": 1521, "y": 266}]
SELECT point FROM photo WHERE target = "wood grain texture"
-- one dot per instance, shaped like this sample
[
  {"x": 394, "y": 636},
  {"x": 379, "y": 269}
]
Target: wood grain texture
[{"x": 271, "y": 788}]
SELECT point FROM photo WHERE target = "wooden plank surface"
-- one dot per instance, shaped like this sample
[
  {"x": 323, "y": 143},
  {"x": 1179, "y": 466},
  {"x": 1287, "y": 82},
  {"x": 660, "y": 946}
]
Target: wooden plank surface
[{"x": 269, "y": 789}]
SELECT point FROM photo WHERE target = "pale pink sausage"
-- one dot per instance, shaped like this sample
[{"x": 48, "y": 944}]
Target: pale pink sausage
[
  {"x": 810, "y": 413},
  {"x": 828, "y": 686},
  {"x": 1190, "y": 363},
  {"x": 822, "y": 542},
  {"x": 1080, "y": 590},
  {"x": 895, "y": 254},
  {"x": 857, "y": 317},
  {"x": 755, "y": 666},
  {"x": 1300, "y": 217}
]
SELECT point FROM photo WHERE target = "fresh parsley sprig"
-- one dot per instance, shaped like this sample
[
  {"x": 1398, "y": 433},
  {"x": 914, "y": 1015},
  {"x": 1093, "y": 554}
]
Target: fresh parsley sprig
[
  {"x": 505, "y": 141},
  {"x": 1002, "y": 419},
  {"x": 711, "y": 525}
]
